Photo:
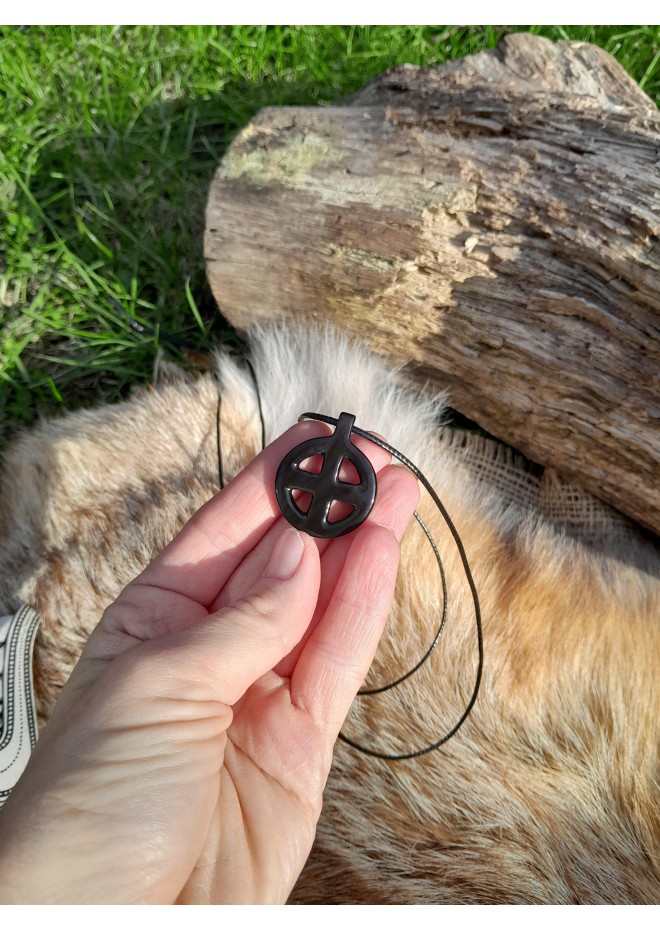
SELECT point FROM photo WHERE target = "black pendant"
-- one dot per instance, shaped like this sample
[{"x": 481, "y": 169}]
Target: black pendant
[{"x": 326, "y": 487}]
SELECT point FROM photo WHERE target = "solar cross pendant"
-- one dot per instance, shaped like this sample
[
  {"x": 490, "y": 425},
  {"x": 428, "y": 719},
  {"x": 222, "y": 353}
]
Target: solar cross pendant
[{"x": 326, "y": 486}]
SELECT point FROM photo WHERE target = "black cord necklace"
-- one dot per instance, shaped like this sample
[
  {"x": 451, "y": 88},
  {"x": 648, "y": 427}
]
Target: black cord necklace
[{"x": 325, "y": 488}]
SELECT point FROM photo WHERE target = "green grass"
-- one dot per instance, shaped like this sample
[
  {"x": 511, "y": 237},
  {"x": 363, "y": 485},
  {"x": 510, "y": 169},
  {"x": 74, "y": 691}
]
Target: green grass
[{"x": 109, "y": 140}]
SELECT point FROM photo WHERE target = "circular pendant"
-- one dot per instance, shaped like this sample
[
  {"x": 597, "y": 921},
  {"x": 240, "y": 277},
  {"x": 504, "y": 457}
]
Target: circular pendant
[{"x": 326, "y": 486}]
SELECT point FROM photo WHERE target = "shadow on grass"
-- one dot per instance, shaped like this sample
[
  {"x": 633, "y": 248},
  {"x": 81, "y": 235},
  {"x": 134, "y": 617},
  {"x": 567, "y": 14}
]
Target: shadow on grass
[
  {"x": 121, "y": 204},
  {"x": 124, "y": 205}
]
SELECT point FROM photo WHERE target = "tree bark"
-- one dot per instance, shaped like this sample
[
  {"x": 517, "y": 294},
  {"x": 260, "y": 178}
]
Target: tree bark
[{"x": 493, "y": 222}]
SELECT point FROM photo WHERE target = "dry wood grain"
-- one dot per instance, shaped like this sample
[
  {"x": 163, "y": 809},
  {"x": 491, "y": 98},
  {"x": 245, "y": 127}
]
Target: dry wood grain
[{"x": 493, "y": 223}]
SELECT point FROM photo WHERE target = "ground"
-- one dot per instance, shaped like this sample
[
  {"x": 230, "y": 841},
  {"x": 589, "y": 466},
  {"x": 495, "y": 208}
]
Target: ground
[{"x": 110, "y": 137}]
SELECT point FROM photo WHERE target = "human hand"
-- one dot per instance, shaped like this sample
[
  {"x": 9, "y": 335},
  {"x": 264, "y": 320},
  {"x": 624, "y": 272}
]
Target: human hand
[{"x": 187, "y": 755}]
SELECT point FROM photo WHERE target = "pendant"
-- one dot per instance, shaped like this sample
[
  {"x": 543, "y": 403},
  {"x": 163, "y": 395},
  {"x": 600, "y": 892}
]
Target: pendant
[{"x": 326, "y": 486}]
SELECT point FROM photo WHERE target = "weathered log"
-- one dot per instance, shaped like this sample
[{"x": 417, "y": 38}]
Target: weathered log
[{"x": 493, "y": 222}]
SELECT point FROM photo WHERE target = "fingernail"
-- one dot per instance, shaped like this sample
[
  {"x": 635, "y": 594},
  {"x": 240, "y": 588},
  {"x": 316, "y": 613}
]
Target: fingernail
[{"x": 287, "y": 555}]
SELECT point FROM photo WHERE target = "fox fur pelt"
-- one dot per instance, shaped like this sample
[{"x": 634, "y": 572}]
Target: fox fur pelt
[{"x": 549, "y": 792}]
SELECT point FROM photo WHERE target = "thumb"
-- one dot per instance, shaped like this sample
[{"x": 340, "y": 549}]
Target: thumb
[{"x": 229, "y": 650}]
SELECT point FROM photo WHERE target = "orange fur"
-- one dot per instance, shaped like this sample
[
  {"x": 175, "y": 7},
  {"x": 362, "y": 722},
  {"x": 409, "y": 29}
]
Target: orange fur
[{"x": 548, "y": 794}]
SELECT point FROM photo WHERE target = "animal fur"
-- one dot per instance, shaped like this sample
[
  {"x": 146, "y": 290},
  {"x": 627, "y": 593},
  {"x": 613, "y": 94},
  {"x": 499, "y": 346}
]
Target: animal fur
[{"x": 548, "y": 794}]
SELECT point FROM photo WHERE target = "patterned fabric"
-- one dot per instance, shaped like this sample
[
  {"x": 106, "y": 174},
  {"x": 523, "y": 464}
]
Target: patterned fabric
[{"x": 17, "y": 711}]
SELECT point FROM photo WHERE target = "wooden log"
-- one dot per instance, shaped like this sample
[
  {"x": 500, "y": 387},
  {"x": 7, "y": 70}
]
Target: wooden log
[{"x": 493, "y": 223}]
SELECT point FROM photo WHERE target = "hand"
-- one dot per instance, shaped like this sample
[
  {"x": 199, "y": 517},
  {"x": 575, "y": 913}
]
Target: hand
[{"x": 187, "y": 755}]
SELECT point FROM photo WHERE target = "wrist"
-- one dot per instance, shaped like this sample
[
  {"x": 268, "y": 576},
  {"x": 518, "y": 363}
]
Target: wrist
[{"x": 39, "y": 859}]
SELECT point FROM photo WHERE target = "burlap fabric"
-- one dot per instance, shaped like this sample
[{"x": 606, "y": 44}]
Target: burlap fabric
[{"x": 541, "y": 490}]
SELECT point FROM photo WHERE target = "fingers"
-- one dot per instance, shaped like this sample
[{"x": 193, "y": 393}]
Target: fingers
[
  {"x": 220, "y": 656},
  {"x": 337, "y": 656},
  {"x": 250, "y": 569},
  {"x": 201, "y": 558},
  {"x": 398, "y": 495}
]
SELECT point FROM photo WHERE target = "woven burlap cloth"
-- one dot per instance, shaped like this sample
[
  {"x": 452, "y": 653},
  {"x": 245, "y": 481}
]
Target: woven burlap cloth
[{"x": 542, "y": 491}]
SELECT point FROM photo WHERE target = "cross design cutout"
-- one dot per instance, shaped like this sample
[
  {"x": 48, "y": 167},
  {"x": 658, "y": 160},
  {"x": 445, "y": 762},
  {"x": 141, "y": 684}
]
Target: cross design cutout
[{"x": 326, "y": 486}]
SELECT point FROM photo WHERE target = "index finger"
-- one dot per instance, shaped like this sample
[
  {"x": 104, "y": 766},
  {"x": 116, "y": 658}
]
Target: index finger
[{"x": 203, "y": 555}]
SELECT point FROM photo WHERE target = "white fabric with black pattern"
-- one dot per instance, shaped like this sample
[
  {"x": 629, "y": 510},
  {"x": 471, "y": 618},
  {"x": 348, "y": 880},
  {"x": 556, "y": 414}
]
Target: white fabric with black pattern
[{"x": 18, "y": 732}]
